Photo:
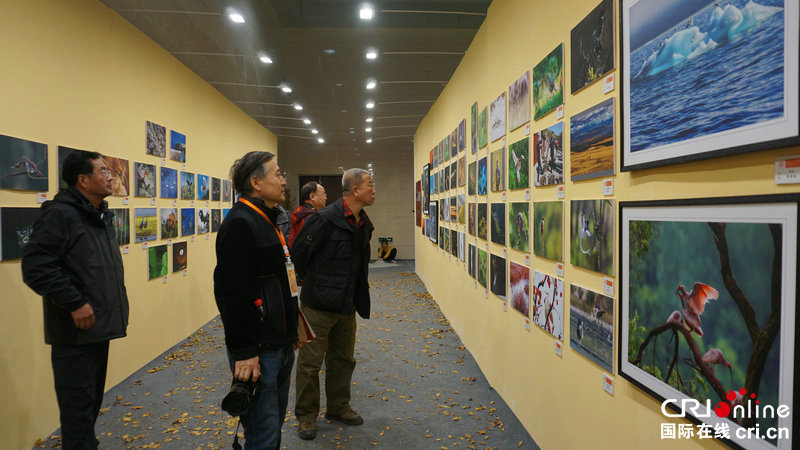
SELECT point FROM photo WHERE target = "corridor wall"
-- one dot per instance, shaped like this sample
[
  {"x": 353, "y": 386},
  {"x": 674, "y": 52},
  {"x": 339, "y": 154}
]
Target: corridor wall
[
  {"x": 76, "y": 74},
  {"x": 558, "y": 397}
]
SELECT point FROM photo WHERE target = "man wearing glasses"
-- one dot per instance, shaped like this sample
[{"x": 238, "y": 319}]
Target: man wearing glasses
[{"x": 73, "y": 261}]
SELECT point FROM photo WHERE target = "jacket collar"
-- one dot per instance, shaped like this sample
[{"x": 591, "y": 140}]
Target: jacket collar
[{"x": 272, "y": 213}]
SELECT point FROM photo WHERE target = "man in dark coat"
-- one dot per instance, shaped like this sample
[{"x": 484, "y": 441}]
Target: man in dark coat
[
  {"x": 312, "y": 199},
  {"x": 73, "y": 261},
  {"x": 253, "y": 294},
  {"x": 332, "y": 254}
]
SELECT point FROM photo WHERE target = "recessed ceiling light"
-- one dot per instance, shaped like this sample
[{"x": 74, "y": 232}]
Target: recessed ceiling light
[
  {"x": 344, "y": 110},
  {"x": 329, "y": 51},
  {"x": 314, "y": 131},
  {"x": 367, "y": 12},
  {"x": 339, "y": 84},
  {"x": 265, "y": 59},
  {"x": 369, "y": 141},
  {"x": 286, "y": 88},
  {"x": 368, "y": 129},
  {"x": 298, "y": 107},
  {"x": 306, "y": 121},
  {"x": 369, "y": 119},
  {"x": 235, "y": 17},
  {"x": 370, "y": 104},
  {"x": 320, "y": 140},
  {"x": 372, "y": 54},
  {"x": 352, "y": 131},
  {"x": 371, "y": 84}
]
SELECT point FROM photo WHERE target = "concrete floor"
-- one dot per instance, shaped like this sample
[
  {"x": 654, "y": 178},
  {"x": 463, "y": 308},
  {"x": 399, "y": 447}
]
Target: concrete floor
[{"x": 415, "y": 384}]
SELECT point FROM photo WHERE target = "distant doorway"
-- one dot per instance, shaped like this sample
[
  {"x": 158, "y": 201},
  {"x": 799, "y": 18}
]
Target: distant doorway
[{"x": 332, "y": 184}]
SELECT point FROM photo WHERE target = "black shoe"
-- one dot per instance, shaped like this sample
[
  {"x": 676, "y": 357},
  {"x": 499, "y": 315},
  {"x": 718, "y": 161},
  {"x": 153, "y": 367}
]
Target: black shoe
[
  {"x": 307, "y": 430},
  {"x": 348, "y": 418}
]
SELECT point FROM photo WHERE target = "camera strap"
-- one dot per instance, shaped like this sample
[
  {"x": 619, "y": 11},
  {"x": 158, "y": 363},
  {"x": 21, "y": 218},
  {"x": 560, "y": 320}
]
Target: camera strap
[{"x": 236, "y": 445}]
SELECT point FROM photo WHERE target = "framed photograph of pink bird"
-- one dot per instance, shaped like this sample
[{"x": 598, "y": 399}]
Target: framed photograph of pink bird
[{"x": 708, "y": 310}]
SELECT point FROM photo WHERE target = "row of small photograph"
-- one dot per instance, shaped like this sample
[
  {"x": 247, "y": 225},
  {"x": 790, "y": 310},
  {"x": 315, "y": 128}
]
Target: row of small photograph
[
  {"x": 591, "y": 228},
  {"x": 158, "y": 260},
  {"x": 16, "y": 225},
  {"x": 592, "y": 43},
  {"x": 24, "y": 166}
]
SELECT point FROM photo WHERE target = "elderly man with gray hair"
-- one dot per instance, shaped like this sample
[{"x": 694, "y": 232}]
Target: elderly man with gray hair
[{"x": 331, "y": 253}]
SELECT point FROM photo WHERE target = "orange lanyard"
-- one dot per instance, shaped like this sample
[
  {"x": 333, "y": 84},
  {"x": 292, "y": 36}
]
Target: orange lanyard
[{"x": 277, "y": 230}]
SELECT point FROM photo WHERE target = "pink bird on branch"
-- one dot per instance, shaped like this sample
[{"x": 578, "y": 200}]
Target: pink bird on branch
[{"x": 694, "y": 303}]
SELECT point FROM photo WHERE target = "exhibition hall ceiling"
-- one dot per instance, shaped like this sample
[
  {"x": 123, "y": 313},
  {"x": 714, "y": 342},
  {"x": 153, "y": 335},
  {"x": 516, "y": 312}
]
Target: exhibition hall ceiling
[{"x": 318, "y": 49}]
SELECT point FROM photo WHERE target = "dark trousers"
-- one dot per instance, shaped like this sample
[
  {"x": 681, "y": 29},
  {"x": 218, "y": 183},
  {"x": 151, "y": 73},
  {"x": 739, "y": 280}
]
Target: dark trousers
[
  {"x": 79, "y": 372},
  {"x": 391, "y": 255}
]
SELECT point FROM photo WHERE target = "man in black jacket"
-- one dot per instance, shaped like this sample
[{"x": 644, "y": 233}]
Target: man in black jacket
[
  {"x": 332, "y": 255},
  {"x": 253, "y": 294},
  {"x": 73, "y": 261}
]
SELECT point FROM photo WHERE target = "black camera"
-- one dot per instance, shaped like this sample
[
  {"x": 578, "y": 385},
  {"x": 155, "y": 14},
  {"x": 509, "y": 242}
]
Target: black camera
[{"x": 237, "y": 402}]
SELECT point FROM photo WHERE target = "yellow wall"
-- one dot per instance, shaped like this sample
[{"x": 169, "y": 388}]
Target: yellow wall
[
  {"x": 74, "y": 73},
  {"x": 560, "y": 400}
]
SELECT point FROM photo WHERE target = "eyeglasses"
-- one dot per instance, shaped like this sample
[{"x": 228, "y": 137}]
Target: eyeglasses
[{"x": 104, "y": 172}]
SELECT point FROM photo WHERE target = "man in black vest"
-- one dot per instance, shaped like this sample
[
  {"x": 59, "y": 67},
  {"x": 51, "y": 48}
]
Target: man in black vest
[{"x": 332, "y": 254}]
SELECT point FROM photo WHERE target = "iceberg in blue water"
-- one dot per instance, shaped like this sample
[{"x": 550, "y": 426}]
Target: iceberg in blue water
[{"x": 725, "y": 25}]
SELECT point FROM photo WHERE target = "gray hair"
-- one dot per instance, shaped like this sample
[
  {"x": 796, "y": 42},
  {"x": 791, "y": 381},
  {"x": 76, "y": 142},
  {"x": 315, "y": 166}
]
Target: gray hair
[
  {"x": 352, "y": 177},
  {"x": 246, "y": 167}
]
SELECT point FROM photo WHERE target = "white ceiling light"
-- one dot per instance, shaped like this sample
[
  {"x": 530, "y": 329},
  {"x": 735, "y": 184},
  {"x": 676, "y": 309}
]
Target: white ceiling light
[
  {"x": 372, "y": 54},
  {"x": 265, "y": 59},
  {"x": 306, "y": 121},
  {"x": 371, "y": 84},
  {"x": 369, "y": 141},
  {"x": 320, "y": 140},
  {"x": 314, "y": 131},
  {"x": 368, "y": 129},
  {"x": 286, "y": 88},
  {"x": 369, "y": 119},
  {"x": 235, "y": 17},
  {"x": 329, "y": 51},
  {"x": 367, "y": 12},
  {"x": 370, "y": 104},
  {"x": 298, "y": 107}
]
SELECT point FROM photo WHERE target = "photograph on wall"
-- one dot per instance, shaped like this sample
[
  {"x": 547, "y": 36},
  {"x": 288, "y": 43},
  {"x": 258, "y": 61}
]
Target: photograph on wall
[
  {"x": 519, "y": 288},
  {"x": 472, "y": 178},
  {"x": 203, "y": 220},
  {"x": 454, "y": 175},
  {"x": 157, "y": 261},
  {"x": 497, "y": 118},
  {"x": 417, "y": 204},
  {"x": 461, "y": 243},
  {"x": 16, "y": 227},
  {"x": 482, "y": 177},
  {"x": 180, "y": 257},
  {"x": 454, "y": 143},
  {"x": 441, "y": 237},
  {"x": 473, "y": 127},
  {"x": 462, "y": 135},
  {"x": 169, "y": 223},
  {"x": 548, "y": 83},
  {"x": 591, "y": 142},
  {"x": 482, "y": 221},
  {"x": 518, "y": 156},
  {"x": 435, "y": 151},
  {"x": 498, "y": 219},
  {"x": 736, "y": 258},
  {"x": 519, "y": 102},
  {"x": 454, "y": 243},
  {"x": 446, "y": 178},
  {"x": 446, "y": 239},
  {"x": 156, "y": 140},
  {"x": 483, "y": 267},
  {"x": 145, "y": 221},
  {"x": 169, "y": 183},
  {"x": 483, "y": 127},
  {"x": 226, "y": 190},
  {"x": 177, "y": 146},
  {"x": 444, "y": 210},
  {"x": 471, "y": 219},
  {"x": 591, "y": 326},
  {"x": 592, "y": 46},
  {"x": 592, "y": 235},
  {"x": 145, "y": 179},
  {"x": 691, "y": 89},
  {"x": 187, "y": 186},
  {"x": 446, "y": 148},
  {"x": 225, "y": 212},
  {"x": 518, "y": 226},
  {"x": 498, "y": 170},
  {"x": 426, "y": 188},
  {"x": 472, "y": 260},
  {"x": 548, "y": 156},
  {"x": 462, "y": 171},
  {"x": 216, "y": 189},
  {"x": 461, "y": 208},
  {"x": 548, "y": 230},
  {"x": 120, "y": 175},
  {"x": 453, "y": 208},
  {"x": 62, "y": 155},
  {"x": 434, "y": 215},
  {"x": 203, "y": 187},
  {"x": 122, "y": 225},
  {"x": 497, "y": 276},
  {"x": 23, "y": 164},
  {"x": 187, "y": 221},
  {"x": 548, "y": 304}
]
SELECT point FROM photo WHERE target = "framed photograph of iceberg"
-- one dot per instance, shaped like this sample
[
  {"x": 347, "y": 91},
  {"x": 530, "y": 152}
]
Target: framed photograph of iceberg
[{"x": 704, "y": 78}]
